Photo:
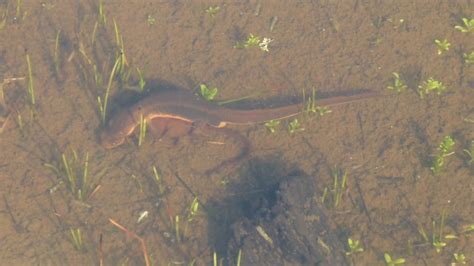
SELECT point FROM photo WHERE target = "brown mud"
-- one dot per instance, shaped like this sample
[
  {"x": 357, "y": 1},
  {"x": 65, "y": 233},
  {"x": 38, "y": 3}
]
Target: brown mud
[{"x": 268, "y": 205}]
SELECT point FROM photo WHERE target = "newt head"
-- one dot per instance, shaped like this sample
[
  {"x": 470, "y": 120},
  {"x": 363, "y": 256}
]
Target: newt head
[
  {"x": 117, "y": 129},
  {"x": 109, "y": 141}
]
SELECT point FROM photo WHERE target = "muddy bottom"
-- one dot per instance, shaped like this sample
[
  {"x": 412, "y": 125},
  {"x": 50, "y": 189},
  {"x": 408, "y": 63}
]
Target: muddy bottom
[{"x": 386, "y": 180}]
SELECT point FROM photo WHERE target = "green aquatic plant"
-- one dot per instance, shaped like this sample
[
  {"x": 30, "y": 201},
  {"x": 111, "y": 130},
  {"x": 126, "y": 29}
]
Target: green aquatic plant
[
  {"x": 150, "y": 19},
  {"x": 120, "y": 54},
  {"x": 31, "y": 88},
  {"x": 143, "y": 127},
  {"x": 443, "y": 46},
  {"x": 393, "y": 262},
  {"x": 76, "y": 237},
  {"x": 446, "y": 146},
  {"x": 468, "y": 25},
  {"x": 431, "y": 85},
  {"x": 191, "y": 214},
  {"x": 398, "y": 84},
  {"x": 354, "y": 247},
  {"x": 255, "y": 41},
  {"x": 323, "y": 110},
  {"x": 295, "y": 126},
  {"x": 459, "y": 258},
  {"x": 141, "y": 80},
  {"x": 264, "y": 234},
  {"x": 252, "y": 41},
  {"x": 19, "y": 13},
  {"x": 469, "y": 58},
  {"x": 212, "y": 10},
  {"x": 438, "y": 235},
  {"x": 158, "y": 180},
  {"x": 103, "y": 102},
  {"x": 208, "y": 93},
  {"x": 339, "y": 187},
  {"x": 176, "y": 228},
  {"x": 271, "y": 125},
  {"x": 75, "y": 174},
  {"x": 3, "y": 19},
  {"x": 102, "y": 18},
  {"x": 468, "y": 228},
  {"x": 312, "y": 107},
  {"x": 239, "y": 257},
  {"x": 56, "y": 52},
  {"x": 445, "y": 149}
]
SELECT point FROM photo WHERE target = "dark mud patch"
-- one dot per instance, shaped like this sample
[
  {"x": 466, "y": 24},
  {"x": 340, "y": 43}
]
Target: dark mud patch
[{"x": 274, "y": 217}]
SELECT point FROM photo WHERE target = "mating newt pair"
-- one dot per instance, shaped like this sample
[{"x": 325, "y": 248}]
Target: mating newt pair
[{"x": 187, "y": 107}]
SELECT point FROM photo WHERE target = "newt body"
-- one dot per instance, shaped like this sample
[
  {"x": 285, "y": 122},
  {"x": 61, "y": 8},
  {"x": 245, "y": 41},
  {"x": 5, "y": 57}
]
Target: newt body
[{"x": 187, "y": 107}]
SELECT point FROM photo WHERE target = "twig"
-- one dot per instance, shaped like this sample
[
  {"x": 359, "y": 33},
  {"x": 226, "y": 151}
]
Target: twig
[{"x": 132, "y": 234}]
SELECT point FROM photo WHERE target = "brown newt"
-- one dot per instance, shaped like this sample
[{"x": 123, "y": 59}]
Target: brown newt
[{"x": 185, "y": 106}]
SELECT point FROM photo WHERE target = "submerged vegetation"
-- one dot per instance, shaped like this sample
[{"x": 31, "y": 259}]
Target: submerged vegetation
[
  {"x": 75, "y": 174},
  {"x": 431, "y": 85},
  {"x": 445, "y": 149},
  {"x": 208, "y": 93},
  {"x": 398, "y": 84},
  {"x": 180, "y": 224},
  {"x": 443, "y": 46},
  {"x": 332, "y": 196},
  {"x": 467, "y": 27},
  {"x": 31, "y": 88}
]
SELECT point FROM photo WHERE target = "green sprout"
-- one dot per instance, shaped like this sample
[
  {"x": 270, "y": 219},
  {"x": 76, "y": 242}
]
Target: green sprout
[
  {"x": 295, "y": 126},
  {"x": 264, "y": 234},
  {"x": 143, "y": 127},
  {"x": 390, "y": 262},
  {"x": 252, "y": 41},
  {"x": 339, "y": 186},
  {"x": 56, "y": 52},
  {"x": 191, "y": 214},
  {"x": 354, "y": 247},
  {"x": 74, "y": 174},
  {"x": 437, "y": 237},
  {"x": 459, "y": 258},
  {"x": 443, "y": 46},
  {"x": 158, "y": 181},
  {"x": 398, "y": 84},
  {"x": 102, "y": 17},
  {"x": 446, "y": 149},
  {"x": 31, "y": 89},
  {"x": 272, "y": 124},
  {"x": 255, "y": 41},
  {"x": 212, "y": 10},
  {"x": 207, "y": 93},
  {"x": 468, "y": 25},
  {"x": 311, "y": 104},
  {"x": 468, "y": 228},
  {"x": 150, "y": 19},
  {"x": 102, "y": 102},
  {"x": 446, "y": 146},
  {"x": 239, "y": 257},
  {"x": 323, "y": 110},
  {"x": 141, "y": 80},
  {"x": 77, "y": 239},
  {"x": 176, "y": 228},
  {"x": 469, "y": 58},
  {"x": 470, "y": 153},
  {"x": 431, "y": 85},
  {"x": 3, "y": 19}
]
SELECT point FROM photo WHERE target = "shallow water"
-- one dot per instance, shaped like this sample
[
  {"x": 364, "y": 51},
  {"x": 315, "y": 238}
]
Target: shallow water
[{"x": 387, "y": 145}]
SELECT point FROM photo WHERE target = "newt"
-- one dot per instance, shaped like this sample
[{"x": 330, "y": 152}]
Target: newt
[{"x": 187, "y": 107}]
